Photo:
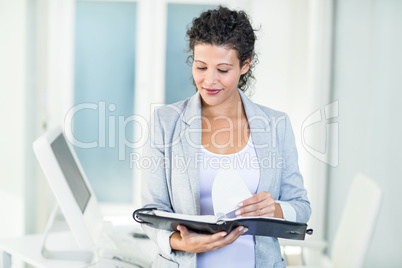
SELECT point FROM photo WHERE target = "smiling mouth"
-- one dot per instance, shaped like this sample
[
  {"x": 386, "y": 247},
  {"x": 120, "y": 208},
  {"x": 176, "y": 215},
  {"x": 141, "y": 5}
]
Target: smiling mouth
[{"x": 211, "y": 91}]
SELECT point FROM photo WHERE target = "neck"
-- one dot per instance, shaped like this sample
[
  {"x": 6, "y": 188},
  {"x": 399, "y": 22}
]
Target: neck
[{"x": 233, "y": 108}]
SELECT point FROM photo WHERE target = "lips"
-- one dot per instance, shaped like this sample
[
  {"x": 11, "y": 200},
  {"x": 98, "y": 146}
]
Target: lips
[{"x": 211, "y": 91}]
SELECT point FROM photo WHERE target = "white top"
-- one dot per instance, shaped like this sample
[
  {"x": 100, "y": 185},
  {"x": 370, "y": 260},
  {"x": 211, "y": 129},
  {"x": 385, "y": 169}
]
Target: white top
[{"x": 241, "y": 252}]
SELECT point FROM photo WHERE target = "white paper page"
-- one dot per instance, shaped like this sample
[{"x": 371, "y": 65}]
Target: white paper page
[
  {"x": 201, "y": 218},
  {"x": 228, "y": 191}
]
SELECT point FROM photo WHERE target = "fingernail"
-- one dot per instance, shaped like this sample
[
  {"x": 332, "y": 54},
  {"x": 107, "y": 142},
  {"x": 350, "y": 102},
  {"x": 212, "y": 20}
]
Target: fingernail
[
  {"x": 238, "y": 212},
  {"x": 240, "y": 204},
  {"x": 245, "y": 230},
  {"x": 241, "y": 228},
  {"x": 224, "y": 234}
]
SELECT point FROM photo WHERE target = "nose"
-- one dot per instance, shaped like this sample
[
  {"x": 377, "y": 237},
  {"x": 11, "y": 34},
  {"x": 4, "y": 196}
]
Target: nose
[{"x": 210, "y": 77}]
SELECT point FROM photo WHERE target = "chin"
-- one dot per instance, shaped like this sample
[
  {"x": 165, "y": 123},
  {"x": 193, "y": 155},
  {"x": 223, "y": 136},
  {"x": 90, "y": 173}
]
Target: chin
[{"x": 211, "y": 100}]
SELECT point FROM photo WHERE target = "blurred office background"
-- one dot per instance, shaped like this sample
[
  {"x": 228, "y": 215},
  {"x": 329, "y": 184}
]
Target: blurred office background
[{"x": 333, "y": 65}]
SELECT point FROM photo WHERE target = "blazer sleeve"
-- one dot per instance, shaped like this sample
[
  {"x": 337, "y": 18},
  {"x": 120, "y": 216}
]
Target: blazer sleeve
[
  {"x": 292, "y": 189},
  {"x": 154, "y": 182}
]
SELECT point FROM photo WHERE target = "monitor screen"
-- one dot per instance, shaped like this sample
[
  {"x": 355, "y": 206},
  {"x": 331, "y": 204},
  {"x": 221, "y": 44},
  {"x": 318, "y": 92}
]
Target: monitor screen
[{"x": 71, "y": 172}]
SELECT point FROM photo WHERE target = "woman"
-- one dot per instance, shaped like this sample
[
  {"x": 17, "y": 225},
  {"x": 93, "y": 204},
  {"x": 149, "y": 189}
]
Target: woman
[{"x": 220, "y": 123}]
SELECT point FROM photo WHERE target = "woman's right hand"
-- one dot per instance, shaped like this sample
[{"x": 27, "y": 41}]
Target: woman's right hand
[{"x": 192, "y": 242}]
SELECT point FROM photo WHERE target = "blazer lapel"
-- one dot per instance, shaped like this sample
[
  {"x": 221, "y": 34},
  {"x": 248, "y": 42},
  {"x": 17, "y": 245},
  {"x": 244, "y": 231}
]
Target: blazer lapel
[
  {"x": 261, "y": 134},
  {"x": 191, "y": 142}
]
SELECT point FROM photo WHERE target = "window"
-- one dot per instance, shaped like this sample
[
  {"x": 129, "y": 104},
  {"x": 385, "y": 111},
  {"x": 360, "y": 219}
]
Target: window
[
  {"x": 179, "y": 82},
  {"x": 105, "y": 35}
]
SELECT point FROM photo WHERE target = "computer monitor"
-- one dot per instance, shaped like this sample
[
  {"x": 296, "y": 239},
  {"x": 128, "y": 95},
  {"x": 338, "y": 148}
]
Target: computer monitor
[{"x": 70, "y": 186}]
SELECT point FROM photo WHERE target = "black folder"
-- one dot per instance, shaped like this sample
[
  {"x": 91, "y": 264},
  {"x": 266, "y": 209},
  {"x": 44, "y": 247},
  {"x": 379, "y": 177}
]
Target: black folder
[{"x": 261, "y": 226}]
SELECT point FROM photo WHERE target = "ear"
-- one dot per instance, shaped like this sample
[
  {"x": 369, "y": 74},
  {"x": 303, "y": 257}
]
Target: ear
[{"x": 246, "y": 66}]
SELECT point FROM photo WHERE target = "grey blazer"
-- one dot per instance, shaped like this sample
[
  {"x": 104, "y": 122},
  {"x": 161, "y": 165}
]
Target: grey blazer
[{"x": 171, "y": 181}]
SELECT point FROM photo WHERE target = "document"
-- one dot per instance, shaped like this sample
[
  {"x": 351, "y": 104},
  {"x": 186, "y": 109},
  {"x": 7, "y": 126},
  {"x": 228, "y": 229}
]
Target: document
[
  {"x": 210, "y": 224},
  {"x": 228, "y": 190}
]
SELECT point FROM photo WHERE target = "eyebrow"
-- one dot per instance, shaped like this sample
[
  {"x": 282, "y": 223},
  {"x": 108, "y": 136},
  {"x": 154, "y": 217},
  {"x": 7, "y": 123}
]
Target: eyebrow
[{"x": 228, "y": 64}]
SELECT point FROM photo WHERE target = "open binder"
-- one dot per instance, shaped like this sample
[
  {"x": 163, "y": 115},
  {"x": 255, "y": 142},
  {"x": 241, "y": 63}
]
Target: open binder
[{"x": 262, "y": 226}]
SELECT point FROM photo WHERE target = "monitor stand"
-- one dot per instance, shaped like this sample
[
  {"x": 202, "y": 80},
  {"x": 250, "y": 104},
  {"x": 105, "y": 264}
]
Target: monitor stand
[{"x": 57, "y": 223}]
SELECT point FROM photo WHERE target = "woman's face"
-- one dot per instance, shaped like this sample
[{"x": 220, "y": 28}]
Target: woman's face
[{"x": 216, "y": 72}]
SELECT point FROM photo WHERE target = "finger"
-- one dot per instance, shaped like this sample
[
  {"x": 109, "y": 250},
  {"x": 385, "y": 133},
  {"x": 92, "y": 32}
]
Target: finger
[
  {"x": 218, "y": 236},
  {"x": 187, "y": 234},
  {"x": 249, "y": 201},
  {"x": 233, "y": 235},
  {"x": 247, "y": 210},
  {"x": 183, "y": 230},
  {"x": 257, "y": 209},
  {"x": 256, "y": 198},
  {"x": 230, "y": 238},
  {"x": 266, "y": 211}
]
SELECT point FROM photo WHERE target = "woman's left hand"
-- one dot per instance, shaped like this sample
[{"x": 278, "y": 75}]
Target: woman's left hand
[{"x": 262, "y": 205}]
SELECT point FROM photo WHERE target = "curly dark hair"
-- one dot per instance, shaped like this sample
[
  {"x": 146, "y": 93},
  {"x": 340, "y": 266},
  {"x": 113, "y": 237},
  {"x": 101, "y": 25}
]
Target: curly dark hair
[{"x": 225, "y": 27}]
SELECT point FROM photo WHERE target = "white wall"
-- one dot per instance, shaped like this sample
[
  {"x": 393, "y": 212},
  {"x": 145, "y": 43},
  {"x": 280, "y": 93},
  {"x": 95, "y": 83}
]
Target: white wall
[
  {"x": 12, "y": 115},
  {"x": 367, "y": 82},
  {"x": 13, "y": 31},
  {"x": 292, "y": 77}
]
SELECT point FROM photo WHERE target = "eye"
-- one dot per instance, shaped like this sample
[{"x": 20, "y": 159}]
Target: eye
[
  {"x": 223, "y": 71},
  {"x": 202, "y": 68}
]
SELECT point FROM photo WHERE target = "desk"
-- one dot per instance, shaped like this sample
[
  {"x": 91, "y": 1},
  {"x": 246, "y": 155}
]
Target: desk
[{"x": 28, "y": 249}]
